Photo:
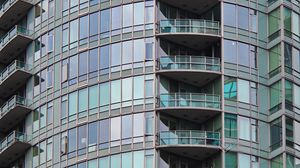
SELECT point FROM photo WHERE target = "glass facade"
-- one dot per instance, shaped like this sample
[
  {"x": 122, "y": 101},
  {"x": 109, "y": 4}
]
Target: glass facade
[{"x": 150, "y": 84}]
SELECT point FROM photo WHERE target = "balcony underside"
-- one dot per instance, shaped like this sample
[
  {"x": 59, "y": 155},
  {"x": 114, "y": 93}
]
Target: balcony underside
[
  {"x": 196, "y": 41},
  {"x": 197, "y": 78},
  {"x": 13, "y": 82},
  {"x": 14, "y": 14},
  {"x": 193, "y": 114},
  {"x": 195, "y": 6},
  {"x": 196, "y": 152},
  {"x": 13, "y": 152},
  {"x": 13, "y": 48},
  {"x": 13, "y": 117}
]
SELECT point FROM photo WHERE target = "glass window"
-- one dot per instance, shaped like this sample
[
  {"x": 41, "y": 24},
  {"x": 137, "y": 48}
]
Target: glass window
[
  {"x": 244, "y": 161},
  {"x": 126, "y": 128},
  {"x": 93, "y": 97},
  {"x": 49, "y": 149},
  {"x": 92, "y": 136},
  {"x": 274, "y": 59},
  {"x": 104, "y": 162},
  {"x": 72, "y": 140},
  {"x": 92, "y": 163},
  {"x": 127, "y": 90},
  {"x": 230, "y": 125},
  {"x": 94, "y": 23},
  {"x": 276, "y": 134},
  {"x": 43, "y": 80},
  {"x": 127, "y": 15},
  {"x": 139, "y": 13},
  {"x": 104, "y": 57},
  {"x": 83, "y": 63},
  {"x": 116, "y": 18},
  {"x": 93, "y": 62},
  {"x": 82, "y": 98},
  {"x": 274, "y": 22},
  {"x": 138, "y": 87},
  {"x": 139, "y": 50},
  {"x": 43, "y": 119},
  {"x": 73, "y": 68},
  {"x": 115, "y": 54},
  {"x": 127, "y": 159},
  {"x": 243, "y": 15},
  {"x": 277, "y": 162},
  {"x": 82, "y": 138},
  {"x": 72, "y": 105},
  {"x": 115, "y": 161},
  {"x": 115, "y": 130},
  {"x": 127, "y": 52},
  {"x": 229, "y": 15},
  {"x": 243, "y": 91},
  {"x": 104, "y": 96},
  {"x": 83, "y": 27},
  {"x": 287, "y": 22},
  {"x": 244, "y": 128},
  {"x": 115, "y": 91},
  {"x": 275, "y": 95},
  {"x": 243, "y": 53},
  {"x": 105, "y": 21},
  {"x": 230, "y": 88},
  {"x": 138, "y": 124},
  {"x": 43, "y": 152},
  {"x": 230, "y": 160},
  {"x": 230, "y": 50},
  {"x": 50, "y": 113},
  {"x": 73, "y": 32},
  {"x": 138, "y": 159},
  {"x": 104, "y": 133}
]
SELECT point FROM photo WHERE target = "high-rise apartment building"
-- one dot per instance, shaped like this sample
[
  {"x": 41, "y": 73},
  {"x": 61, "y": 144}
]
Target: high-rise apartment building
[{"x": 150, "y": 84}]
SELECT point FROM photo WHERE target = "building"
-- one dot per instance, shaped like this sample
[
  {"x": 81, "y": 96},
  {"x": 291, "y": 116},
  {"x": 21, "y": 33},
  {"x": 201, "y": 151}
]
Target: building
[{"x": 150, "y": 84}]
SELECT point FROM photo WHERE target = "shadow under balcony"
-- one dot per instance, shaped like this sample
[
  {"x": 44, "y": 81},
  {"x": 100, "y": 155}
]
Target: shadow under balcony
[
  {"x": 12, "y": 11},
  {"x": 194, "y": 33},
  {"x": 12, "y": 147},
  {"x": 13, "y": 77},
  {"x": 197, "y": 107},
  {"x": 13, "y": 43},
  {"x": 197, "y": 70},
  {"x": 195, "y": 6},
  {"x": 13, "y": 111},
  {"x": 194, "y": 144}
]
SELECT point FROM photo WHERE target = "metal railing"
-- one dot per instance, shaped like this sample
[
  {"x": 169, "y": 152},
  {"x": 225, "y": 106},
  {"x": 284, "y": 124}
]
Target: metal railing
[
  {"x": 190, "y": 100},
  {"x": 16, "y": 30},
  {"x": 12, "y": 103},
  {"x": 189, "y": 137},
  {"x": 189, "y": 63},
  {"x": 16, "y": 65},
  {"x": 8, "y": 3},
  {"x": 189, "y": 26},
  {"x": 13, "y": 137}
]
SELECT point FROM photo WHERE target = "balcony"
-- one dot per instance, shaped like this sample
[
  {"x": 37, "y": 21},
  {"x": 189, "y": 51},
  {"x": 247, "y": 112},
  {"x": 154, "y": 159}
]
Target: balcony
[
  {"x": 190, "y": 143},
  {"x": 13, "y": 77},
  {"x": 12, "y": 11},
  {"x": 13, "y": 111},
  {"x": 190, "y": 69},
  {"x": 187, "y": 31},
  {"x": 12, "y": 147},
  {"x": 13, "y": 43},
  {"x": 196, "y": 107}
]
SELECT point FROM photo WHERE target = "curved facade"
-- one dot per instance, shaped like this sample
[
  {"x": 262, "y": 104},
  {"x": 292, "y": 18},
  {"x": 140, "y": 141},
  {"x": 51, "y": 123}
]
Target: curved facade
[{"x": 149, "y": 84}]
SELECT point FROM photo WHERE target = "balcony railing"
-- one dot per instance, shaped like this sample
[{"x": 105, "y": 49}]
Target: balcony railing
[
  {"x": 189, "y": 137},
  {"x": 17, "y": 30},
  {"x": 12, "y": 103},
  {"x": 190, "y": 100},
  {"x": 197, "y": 63},
  {"x": 8, "y": 3},
  {"x": 13, "y": 137},
  {"x": 190, "y": 26},
  {"x": 16, "y": 65}
]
